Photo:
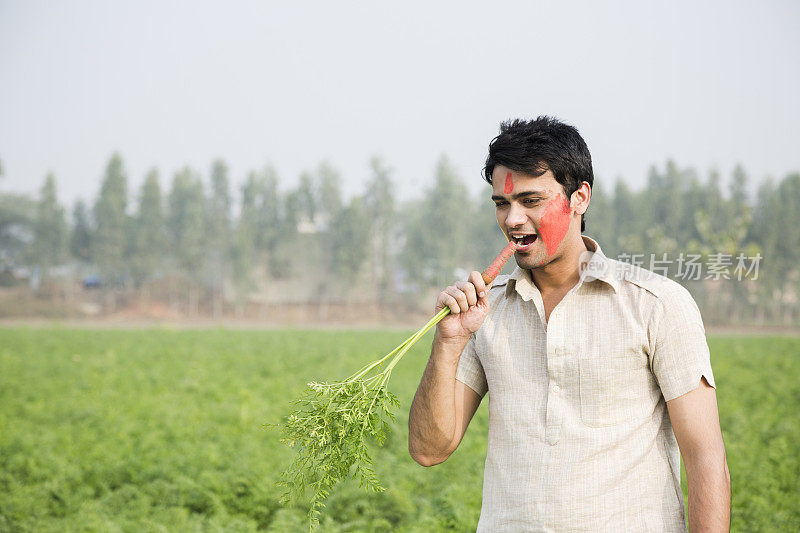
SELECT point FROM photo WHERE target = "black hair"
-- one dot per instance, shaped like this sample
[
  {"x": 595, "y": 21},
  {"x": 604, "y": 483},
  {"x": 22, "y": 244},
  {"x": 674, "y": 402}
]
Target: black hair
[{"x": 534, "y": 146}]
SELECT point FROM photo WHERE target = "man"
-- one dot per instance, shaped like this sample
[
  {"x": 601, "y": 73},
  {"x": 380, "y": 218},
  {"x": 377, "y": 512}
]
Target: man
[{"x": 599, "y": 371}]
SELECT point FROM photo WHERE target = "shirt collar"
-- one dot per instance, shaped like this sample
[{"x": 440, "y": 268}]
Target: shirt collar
[{"x": 597, "y": 268}]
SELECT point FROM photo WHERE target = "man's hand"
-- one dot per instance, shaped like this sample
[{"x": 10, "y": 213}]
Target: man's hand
[
  {"x": 695, "y": 421},
  {"x": 469, "y": 305}
]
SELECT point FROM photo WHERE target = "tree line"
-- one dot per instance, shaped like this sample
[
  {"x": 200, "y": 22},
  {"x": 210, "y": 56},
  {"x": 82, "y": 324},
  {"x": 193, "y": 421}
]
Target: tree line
[{"x": 207, "y": 250}]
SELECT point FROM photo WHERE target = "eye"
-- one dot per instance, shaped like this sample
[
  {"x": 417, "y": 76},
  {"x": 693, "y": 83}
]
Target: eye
[
  {"x": 530, "y": 201},
  {"x": 498, "y": 205}
]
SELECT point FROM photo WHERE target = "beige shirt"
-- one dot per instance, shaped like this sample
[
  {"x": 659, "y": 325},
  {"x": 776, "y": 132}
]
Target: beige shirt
[{"x": 579, "y": 435}]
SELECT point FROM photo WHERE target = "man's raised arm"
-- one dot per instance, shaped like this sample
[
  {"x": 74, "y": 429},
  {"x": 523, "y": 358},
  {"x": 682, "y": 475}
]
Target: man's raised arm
[{"x": 443, "y": 406}]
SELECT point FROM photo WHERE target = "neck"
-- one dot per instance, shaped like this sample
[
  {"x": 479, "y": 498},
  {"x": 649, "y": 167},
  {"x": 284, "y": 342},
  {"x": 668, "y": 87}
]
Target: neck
[{"x": 562, "y": 273}]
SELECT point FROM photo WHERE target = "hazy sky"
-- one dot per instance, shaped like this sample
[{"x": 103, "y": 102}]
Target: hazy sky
[{"x": 291, "y": 83}]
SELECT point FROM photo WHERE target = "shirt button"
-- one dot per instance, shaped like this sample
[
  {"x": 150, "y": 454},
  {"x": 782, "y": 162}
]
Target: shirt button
[{"x": 556, "y": 388}]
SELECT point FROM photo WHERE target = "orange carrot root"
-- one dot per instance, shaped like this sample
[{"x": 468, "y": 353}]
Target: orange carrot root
[{"x": 500, "y": 261}]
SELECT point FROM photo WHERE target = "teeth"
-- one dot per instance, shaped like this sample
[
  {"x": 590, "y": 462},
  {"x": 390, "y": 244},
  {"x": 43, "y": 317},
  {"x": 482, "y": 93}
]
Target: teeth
[{"x": 520, "y": 239}]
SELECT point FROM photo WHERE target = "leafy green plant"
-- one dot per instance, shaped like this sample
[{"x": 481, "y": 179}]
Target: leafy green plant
[{"x": 332, "y": 421}]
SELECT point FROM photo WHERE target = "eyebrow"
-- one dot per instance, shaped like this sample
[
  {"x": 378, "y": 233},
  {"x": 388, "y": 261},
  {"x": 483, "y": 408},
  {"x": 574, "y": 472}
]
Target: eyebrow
[{"x": 519, "y": 195}]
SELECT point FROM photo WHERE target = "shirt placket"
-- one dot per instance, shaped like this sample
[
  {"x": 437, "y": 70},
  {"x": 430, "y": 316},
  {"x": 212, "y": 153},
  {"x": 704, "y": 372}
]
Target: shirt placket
[
  {"x": 555, "y": 331},
  {"x": 555, "y": 373}
]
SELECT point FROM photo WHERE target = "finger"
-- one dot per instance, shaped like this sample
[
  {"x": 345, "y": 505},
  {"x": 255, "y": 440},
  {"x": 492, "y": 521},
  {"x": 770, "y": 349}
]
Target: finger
[
  {"x": 452, "y": 303},
  {"x": 460, "y": 297},
  {"x": 469, "y": 289},
  {"x": 477, "y": 280},
  {"x": 445, "y": 300},
  {"x": 441, "y": 301}
]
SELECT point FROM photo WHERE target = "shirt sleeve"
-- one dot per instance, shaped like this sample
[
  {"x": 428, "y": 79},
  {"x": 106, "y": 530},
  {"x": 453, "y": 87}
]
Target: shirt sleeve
[
  {"x": 470, "y": 370},
  {"x": 680, "y": 354}
]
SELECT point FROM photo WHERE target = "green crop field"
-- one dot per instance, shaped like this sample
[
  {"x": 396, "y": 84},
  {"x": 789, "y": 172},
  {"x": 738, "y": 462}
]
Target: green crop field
[{"x": 159, "y": 430}]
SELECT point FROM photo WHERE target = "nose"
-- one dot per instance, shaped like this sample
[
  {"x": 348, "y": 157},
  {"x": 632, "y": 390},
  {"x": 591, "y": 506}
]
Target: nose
[{"x": 515, "y": 216}]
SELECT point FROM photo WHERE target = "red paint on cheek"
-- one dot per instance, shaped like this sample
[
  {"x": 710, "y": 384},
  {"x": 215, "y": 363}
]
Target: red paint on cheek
[
  {"x": 554, "y": 223},
  {"x": 509, "y": 188}
]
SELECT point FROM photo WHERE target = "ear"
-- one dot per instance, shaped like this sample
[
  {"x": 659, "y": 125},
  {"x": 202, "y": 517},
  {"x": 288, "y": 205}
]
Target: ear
[{"x": 579, "y": 201}]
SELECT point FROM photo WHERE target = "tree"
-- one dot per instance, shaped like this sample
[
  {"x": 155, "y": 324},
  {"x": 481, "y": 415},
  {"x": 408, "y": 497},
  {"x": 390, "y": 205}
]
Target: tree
[
  {"x": 50, "y": 229},
  {"x": 219, "y": 206},
  {"x": 738, "y": 187},
  {"x": 280, "y": 258},
  {"x": 380, "y": 208},
  {"x": 219, "y": 234},
  {"x": 348, "y": 242},
  {"x": 600, "y": 218},
  {"x": 17, "y": 212},
  {"x": 739, "y": 218},
  {"x": 329, "y": 192},
  {"x": 245, "y": 240},
  {"x": 111, "y": 222},
  {"x": 270, "y": 216},
  {"x": 437, "y": 230},
  {"x": 626, "y": 222},
  {"x": 261, "y": 217},
  {"x": 775, "y": 232},
  {"x": 721, "y": 226},
  {"x": 484, "y": 236},
  {"x": 661, "y": 212},
  {"x": 787, "y": 225},
  {"x": 307, "y": 198},
  {"x": 185, "y": 228},
  {"x": 150, "y": 239},
  {"x": 694, "y": 200},
  {"x": 80, "y": 240},
  {"x": 663, "y": 197},
  {"x": 763, "y": 235}
]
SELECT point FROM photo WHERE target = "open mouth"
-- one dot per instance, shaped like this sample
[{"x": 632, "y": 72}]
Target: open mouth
[{"x": 525, "y": 242}]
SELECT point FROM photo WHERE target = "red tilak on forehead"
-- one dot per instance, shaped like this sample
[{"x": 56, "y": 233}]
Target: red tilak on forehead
[{"x": 509, "y": 184}]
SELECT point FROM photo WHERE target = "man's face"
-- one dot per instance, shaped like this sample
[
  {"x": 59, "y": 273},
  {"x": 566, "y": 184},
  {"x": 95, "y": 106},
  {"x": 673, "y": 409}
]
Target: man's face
[{"x": 534, "y": 211}]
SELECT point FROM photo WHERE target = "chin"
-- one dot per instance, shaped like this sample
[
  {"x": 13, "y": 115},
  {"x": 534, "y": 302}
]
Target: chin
[{"x": 530, "y": 261}]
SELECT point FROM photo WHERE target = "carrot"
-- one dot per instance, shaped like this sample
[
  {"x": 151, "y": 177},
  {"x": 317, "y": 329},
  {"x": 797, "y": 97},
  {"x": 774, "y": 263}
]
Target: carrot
[{"x": 499, "y": 262}]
